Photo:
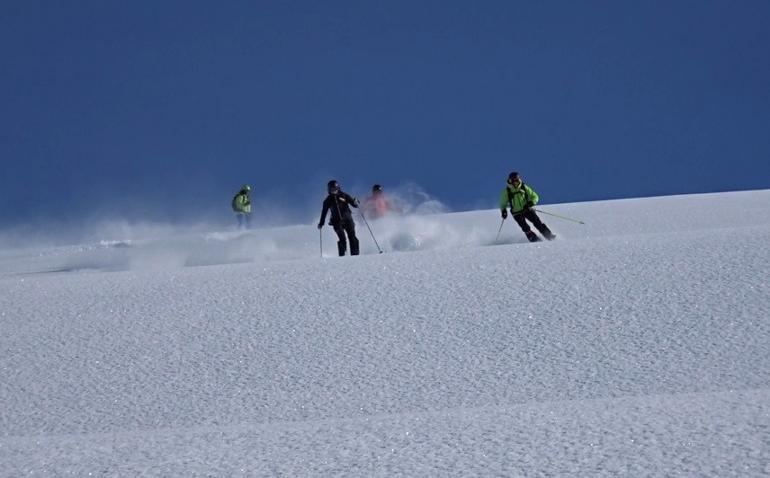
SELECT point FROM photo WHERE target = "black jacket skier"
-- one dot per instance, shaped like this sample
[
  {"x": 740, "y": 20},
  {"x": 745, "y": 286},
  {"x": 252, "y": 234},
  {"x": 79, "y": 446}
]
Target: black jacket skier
[{"x": 338, "y": 203}]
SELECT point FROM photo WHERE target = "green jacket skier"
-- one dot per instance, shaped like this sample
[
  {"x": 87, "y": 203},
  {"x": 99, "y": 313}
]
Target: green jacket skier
[
  {"x": 521, "y": 200},
  {"x": 242, "y": 206}
]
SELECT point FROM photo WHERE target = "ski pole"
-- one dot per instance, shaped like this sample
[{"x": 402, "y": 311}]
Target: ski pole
[
  {"x": 497, "y": 238},
  {"x": 370, "y": 230},
  {"x": 321, "y": 242},
  {"x": 560, "y": 217}
]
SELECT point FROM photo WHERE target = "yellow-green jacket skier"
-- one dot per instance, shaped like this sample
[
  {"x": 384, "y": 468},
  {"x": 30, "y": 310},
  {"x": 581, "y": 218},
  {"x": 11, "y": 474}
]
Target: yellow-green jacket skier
[{"x": 521, "y": 200}]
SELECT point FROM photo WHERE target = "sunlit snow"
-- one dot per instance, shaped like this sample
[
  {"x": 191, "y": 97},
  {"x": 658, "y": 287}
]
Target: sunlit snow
[{"x": 637, "y": 344}]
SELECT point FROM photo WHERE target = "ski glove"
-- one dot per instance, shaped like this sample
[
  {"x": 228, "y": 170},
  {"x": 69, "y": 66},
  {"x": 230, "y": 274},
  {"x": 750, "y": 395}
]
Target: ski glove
[
  {"x": 529, "y": 205},
  {"x": 504, "y": 213},
  {"x": 320, "y": 226}
]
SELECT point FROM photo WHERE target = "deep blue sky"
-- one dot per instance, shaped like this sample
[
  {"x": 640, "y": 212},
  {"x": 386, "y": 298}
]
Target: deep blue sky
[{"x": 161, "y": 109}]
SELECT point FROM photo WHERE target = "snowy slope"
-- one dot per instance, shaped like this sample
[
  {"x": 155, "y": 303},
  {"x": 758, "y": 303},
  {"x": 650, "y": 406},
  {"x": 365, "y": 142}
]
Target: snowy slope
[{"x": 637, "y": 344}]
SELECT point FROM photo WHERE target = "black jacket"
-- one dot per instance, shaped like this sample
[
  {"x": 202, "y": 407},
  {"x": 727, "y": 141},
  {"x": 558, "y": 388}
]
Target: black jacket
[{"x": 339, "y": 205}]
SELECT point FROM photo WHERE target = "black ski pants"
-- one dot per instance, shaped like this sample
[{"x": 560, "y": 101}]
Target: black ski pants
[
  {"x": 346, "y": 227},
  {"x": 531, "y": 216}
]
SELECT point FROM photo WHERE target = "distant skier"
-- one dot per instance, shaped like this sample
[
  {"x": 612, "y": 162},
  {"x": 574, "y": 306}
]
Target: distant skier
[
  {"x": 242, "y": 207},
  {"x": 521, "y": 199},
  {"x": 338, "y": 203},
  {"x": 378, "y": 205}
]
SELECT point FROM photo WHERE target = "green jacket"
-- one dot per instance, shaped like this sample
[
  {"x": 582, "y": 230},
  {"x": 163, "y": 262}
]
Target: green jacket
[
  {"x": 242, "y": 203},
  {"x": 517, "y": 197}
]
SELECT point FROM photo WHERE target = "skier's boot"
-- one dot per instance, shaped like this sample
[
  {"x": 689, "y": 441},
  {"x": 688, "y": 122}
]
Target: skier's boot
[
  {"x": 545, "y": 231},
  {"x": 341, "y": 247},
  {"x": 532, "y": 236},
  {"x": 353, "y": 246}
]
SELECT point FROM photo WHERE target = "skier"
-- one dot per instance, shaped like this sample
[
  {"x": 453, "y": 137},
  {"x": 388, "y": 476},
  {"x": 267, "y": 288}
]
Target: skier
[
  {"x": 522, "y": 199},
  {"x": 338, "y": 203},
  {"x": 242, "y": 207},
  {"x": 378, "y": 205}
]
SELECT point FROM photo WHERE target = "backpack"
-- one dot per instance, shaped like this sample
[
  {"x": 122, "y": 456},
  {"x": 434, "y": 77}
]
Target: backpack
[{"x": 510, "y": 196}]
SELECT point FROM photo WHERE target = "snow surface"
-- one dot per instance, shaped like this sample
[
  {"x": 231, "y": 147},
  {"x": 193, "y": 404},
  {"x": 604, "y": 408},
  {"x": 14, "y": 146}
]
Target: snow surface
[{"x": 635, "y": 345}]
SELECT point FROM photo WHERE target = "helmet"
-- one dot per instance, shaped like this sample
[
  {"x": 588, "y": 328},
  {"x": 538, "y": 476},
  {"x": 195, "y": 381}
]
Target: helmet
[
  {"x": 513, "y": 177},
  {"x": 333, "y": 186},
  {"x": 376, "y": 188},
  {"x": 245, "y": 187}
]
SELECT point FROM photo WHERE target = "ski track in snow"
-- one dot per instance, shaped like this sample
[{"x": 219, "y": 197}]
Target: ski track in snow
[{"x": 636, "y": 345}]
